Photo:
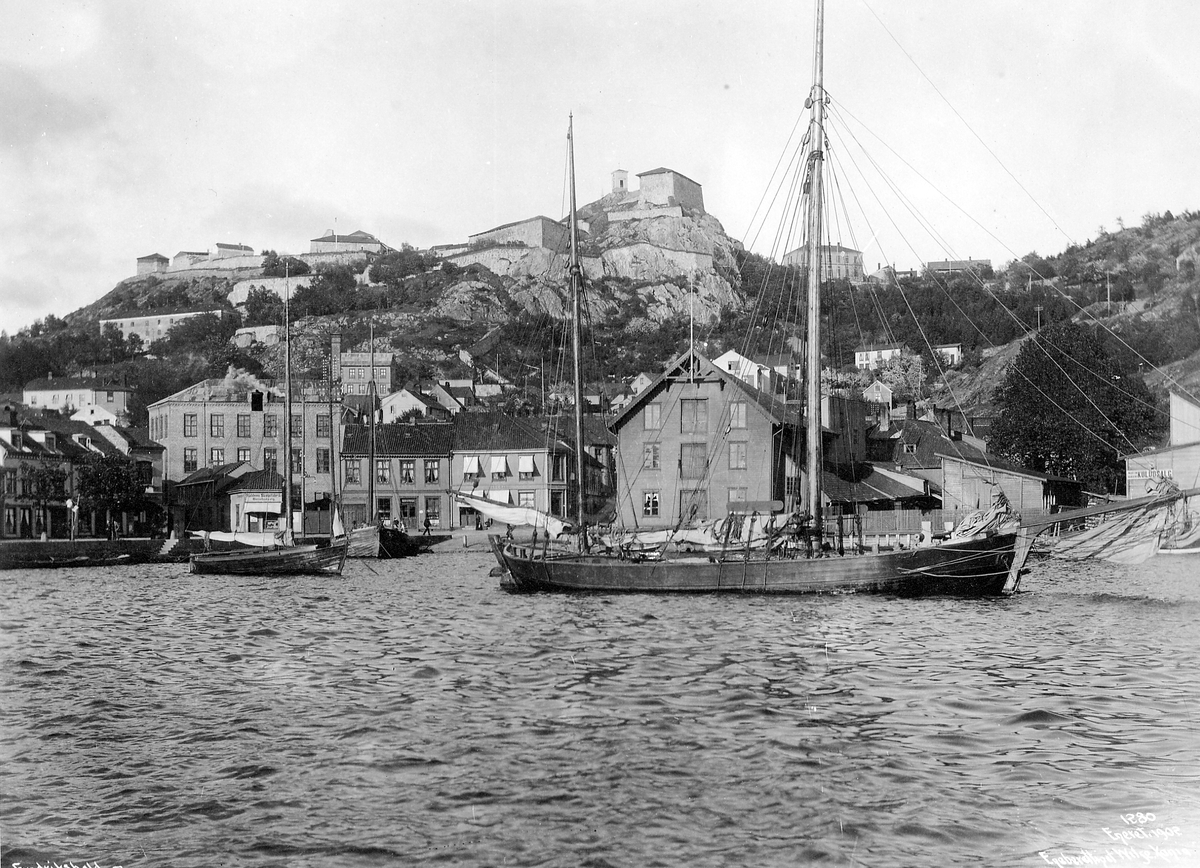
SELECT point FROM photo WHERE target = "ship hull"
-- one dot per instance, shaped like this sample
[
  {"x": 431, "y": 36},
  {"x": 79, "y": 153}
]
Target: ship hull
[
  {"x": 283, "y": 561},
  {"x": 976, "y": 567}
]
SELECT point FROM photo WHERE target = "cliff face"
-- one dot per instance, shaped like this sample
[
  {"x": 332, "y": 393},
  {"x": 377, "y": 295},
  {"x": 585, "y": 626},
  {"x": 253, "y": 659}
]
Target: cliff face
[{"x": 662, "y": 265}]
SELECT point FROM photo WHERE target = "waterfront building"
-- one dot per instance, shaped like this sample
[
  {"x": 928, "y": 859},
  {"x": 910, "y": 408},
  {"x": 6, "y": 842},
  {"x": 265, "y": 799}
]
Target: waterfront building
[{"x": 411, "y": 474}]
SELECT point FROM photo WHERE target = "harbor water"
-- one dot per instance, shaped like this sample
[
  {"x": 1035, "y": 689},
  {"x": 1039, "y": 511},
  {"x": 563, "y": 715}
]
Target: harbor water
[{"x": 411, "y": 712}]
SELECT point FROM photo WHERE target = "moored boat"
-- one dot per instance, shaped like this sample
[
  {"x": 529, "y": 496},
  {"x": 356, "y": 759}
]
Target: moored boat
[
  {"x": 284, "y": 557},
  {"x": 799, "y": 558}
]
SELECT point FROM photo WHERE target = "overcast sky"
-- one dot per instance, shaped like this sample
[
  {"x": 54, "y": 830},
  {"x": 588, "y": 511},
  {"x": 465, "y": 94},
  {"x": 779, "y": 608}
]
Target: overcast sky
[{"x": 135, "y": 128}]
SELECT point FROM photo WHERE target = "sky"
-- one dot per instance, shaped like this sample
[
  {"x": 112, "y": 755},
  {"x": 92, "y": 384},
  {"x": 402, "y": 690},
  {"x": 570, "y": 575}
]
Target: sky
[{"x": 131, "y": 128}]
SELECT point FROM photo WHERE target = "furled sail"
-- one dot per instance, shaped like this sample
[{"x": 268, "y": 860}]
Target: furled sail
[
  {"x": 1130, "y": 538},
  {"x": 517, "y": 516}
]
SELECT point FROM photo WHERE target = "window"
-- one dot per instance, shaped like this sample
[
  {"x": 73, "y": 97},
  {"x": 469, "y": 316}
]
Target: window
[
  {"x": 652, "y": 417},
  {"x": 353, "y": 471},
  {"x": 558, "y": 472},
  {"x": 270, "y": 425},
  {"x": 737, "y": 414},
  {"x": 189, "y": 459},
  {"x": 737, "y": 456},
  {"x": 323, "y": 426},
  {"x": 216, "y": 456},
  {"x": 216, "y": 425},
  {"x": 110, "y": 397},
  {"x": 471, "y": 467},
  {"x": 322, "y": 459},
  {"x": 10, "y": 482},
  {"x": 189, "y": 424},
  {"x": 651, "y": 456},
  {"x": 408, "y": 510},
  {"x": 693, "y": 460},
  {"x": 271, "y": 459},
  {"x": 527, "y": 498},
  {"x": 526, "y": 468},
  {"x": 693, "y": 505},
  {"x": 381, "y": 374},
  {"x": 499, "y": 467},
  {"x": 432, "y": 471},
  {"x": 650, "y": 504},
  {"x": 433, "y": 511},
  {"x": 297, "y": 460},
  {"x": 693, "y": 414},
  {"x": 383, "y": 506},
  {"x": 408, "y": 471},
  {"x": 737, "y": 495},
  {"x": 243, "y": 454},
  {"x": 297, "y": 425},
  {"x": 243, "y": 425},
  {"x": 383, "y": 470}
]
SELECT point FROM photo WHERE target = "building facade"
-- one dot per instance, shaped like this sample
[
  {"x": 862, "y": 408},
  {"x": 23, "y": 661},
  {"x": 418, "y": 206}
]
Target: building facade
[
  {"x": 837, "y": 262},
  {"x": 698, "y": 442},
  {"x": 666, "y": 187},
  {"x": 514, "y": 461},
  {"x": 152, "y": 326},
  {"x": 410, "y": 475},
  {"x": 355, "y": 242},
  {"x": 241, "y": 420},
  {"x": 68, "y": 394},
  {"x": 534, "y": 232}
]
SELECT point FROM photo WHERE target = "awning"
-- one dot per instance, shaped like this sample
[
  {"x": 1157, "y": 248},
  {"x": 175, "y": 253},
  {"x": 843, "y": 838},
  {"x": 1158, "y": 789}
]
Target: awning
[
  {"x": 500, "y": 495},
  {"x": 499, "y": 464},
  {"x": 471, "y": 465},
  {"x": 525, "y": 464}
]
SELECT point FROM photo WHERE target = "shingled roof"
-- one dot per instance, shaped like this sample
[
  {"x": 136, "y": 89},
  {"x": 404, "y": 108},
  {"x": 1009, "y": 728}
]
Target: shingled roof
[{"x": 400, "y": 439}]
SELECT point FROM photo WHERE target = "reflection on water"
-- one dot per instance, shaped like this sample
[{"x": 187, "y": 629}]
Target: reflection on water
[{"x": 412, "y": 712}]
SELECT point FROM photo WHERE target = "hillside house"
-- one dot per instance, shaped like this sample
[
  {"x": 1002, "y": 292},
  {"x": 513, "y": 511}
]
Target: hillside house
[
  {"x": 837, "y": 262},
  {"x": 68, "y": 394},
  {"x": 533, "y": 232},
  {"x": 156, "y": 324},
  {"x": 357, "y": 241},
  {"x": 152, "y": 264}
]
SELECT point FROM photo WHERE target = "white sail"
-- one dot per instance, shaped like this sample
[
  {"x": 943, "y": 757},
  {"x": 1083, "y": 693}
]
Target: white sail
[{"x": 517, "y": 516}]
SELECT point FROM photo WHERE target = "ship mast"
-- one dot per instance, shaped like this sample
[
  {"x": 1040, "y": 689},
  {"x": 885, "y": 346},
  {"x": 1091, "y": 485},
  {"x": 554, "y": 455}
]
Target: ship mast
[
  {"x": 812, "y": 430},
  {"x": 372, "y": 513},
  {"x": 576, "y": 277},
  {"x": 287, "y": 406}
]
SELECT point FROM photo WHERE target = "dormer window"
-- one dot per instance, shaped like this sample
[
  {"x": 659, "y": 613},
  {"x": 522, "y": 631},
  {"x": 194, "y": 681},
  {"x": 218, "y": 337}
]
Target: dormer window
[
  {"x": 51, "y": 442},
  {"x": 910, "y": 448}
]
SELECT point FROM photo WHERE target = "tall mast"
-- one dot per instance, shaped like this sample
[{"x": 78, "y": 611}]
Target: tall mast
[
  {"x": 287, "y": 406},
  {"x": 576, "y": 278},
  {"x": 371, "y": 511},
  {"x": 812, "y": 429}
]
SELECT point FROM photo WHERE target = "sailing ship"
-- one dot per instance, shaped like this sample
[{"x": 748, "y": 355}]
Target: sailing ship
[
  {"x": 282, "y": 556},
  {"x": 792, "y": 554}
]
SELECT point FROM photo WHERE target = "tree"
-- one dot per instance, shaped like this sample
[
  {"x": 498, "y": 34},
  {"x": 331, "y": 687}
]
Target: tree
[
  {"x": 904, "y": 374},
  {"x": 1068, "y": 408},
  {"x": 275, "y": 265},
  {"x": 263, "y": 307},
  {"x": 112, "y": 483},
  {"x": 45, "y": 483}
]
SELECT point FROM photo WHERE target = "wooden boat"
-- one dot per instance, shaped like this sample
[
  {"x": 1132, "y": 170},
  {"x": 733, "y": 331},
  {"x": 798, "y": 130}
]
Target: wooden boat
[
  {"x": 309, "y": 559},
  {"x": 285, "y": 558},
  {"x": 381, "y": 541},
  {"x": 986, "y": 559}
]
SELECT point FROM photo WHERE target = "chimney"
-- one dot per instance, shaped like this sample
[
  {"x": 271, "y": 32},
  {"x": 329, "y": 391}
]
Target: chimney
[{"x": 335, "y": 357}]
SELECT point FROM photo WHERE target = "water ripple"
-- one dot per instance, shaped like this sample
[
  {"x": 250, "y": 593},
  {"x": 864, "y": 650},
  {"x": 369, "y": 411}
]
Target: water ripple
[{"x": 412, "y": 713}]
